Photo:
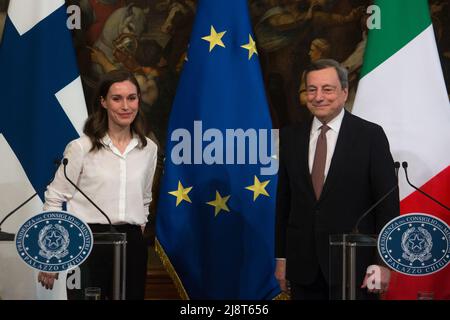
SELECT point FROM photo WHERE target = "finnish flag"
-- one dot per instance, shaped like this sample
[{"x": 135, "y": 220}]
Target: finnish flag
[{"x": 42, "y": 109}]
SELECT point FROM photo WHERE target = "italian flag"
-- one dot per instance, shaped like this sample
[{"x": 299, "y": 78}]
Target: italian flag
[{"x": 402, "y": 89}]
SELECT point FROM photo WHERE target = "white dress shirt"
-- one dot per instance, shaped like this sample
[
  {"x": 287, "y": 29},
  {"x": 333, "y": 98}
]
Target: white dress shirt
[
  {"x": 120, "y": 184},
  {"x": 332, "y": 135}
]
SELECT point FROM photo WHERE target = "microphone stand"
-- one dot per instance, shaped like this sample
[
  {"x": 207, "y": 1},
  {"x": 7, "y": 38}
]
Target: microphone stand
[
  {"x": 405, "y": 166},
  {"x": 65, "y": 162},
  {"x": 5, "y": 236},
  {"x": 355, "y": 229}
]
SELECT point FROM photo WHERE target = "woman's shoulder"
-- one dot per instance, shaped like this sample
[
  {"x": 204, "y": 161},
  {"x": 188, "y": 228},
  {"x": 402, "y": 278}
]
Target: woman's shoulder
[
  {"x": 82, "y": 143},
  {"x": 151, "y": 145}
]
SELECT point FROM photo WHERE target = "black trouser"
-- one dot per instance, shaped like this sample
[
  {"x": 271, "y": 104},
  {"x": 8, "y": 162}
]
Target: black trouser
[
  {"x": 320, "y": 290},
  {"x": 97, "y": 270},
  {"x": 317, "y": 290}
]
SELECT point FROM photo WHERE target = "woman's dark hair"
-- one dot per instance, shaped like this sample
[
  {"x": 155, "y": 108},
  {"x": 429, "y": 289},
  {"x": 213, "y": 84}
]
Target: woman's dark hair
[{"x": 96, "y": 125}]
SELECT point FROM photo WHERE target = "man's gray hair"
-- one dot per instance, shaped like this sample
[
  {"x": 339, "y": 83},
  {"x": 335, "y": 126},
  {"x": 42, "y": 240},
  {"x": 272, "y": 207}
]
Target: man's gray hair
[{"x": 329, "y": 63}]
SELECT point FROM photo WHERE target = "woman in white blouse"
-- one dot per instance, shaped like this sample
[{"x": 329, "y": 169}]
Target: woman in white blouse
[{"x": 114, "y": 164}]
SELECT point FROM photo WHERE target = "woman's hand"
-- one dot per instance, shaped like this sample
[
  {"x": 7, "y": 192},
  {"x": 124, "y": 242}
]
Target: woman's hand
[{"x": 47, "y": 279}]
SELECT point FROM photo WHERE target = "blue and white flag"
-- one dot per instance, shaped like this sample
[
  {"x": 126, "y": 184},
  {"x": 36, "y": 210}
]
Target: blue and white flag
[{"x": 42, "y": 109}]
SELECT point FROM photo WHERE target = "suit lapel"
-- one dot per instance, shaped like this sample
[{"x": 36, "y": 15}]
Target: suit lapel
[
  {"x": 303, "y": 145},
  {"x": 343, "y": 146}
]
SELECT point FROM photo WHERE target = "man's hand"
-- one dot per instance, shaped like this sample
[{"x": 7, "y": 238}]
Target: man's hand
[
  {"x": 376, "y": 279},
  {"x": 280, "y": 275},
  {"x": 47, "y": 279}
]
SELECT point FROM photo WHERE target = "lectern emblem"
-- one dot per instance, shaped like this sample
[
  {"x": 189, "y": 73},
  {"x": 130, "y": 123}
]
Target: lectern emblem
[
  {"x": 54, "y": 241},
  {"x": 415, "y": 244}
]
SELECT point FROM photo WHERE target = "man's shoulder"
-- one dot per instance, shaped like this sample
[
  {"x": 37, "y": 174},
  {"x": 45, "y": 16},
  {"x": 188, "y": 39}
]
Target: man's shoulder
[
  {"x": 296, "y": 129},
  {"x": 361, "y": 124}
]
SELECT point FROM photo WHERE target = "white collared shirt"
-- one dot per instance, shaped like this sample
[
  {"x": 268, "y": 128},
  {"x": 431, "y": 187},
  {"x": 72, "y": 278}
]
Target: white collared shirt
[
  {"x": 120, "y": 184},
  {"x": 332, "y": 135}
]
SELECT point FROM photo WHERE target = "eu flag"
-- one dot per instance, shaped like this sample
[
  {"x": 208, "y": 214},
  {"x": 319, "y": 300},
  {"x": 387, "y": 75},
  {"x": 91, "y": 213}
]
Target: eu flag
[{"x": 215, "y": 220}]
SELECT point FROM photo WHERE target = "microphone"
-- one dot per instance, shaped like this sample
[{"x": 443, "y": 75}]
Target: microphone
[
  {"x": 396, "y": 167},
  {"x": 5, "y": 236},
  {"x": 405, "y": 166},
  {"x": 65, "y": 163}
]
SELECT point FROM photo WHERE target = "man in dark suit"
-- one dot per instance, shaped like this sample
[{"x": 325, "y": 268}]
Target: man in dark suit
[{"x": 332, "y": 169}]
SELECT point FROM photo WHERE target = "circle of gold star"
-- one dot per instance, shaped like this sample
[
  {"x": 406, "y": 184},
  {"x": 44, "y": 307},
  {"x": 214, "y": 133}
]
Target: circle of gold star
[
  {"x": 251, "y": 47},
  {"x": 258, "y": 188},
  {"x": 181, "y": 194},
  {"x": 220, "y": 203},
  {"x": 214, "y": 39}
]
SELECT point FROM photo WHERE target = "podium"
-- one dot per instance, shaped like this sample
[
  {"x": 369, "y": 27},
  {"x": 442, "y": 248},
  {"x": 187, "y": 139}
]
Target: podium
[
  {"x": 117, "y": 241},
  {"x": 350, "y": 252}
]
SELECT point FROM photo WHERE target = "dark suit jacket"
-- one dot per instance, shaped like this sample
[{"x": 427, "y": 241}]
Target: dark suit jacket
[{"x": 361, "y": 172}]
